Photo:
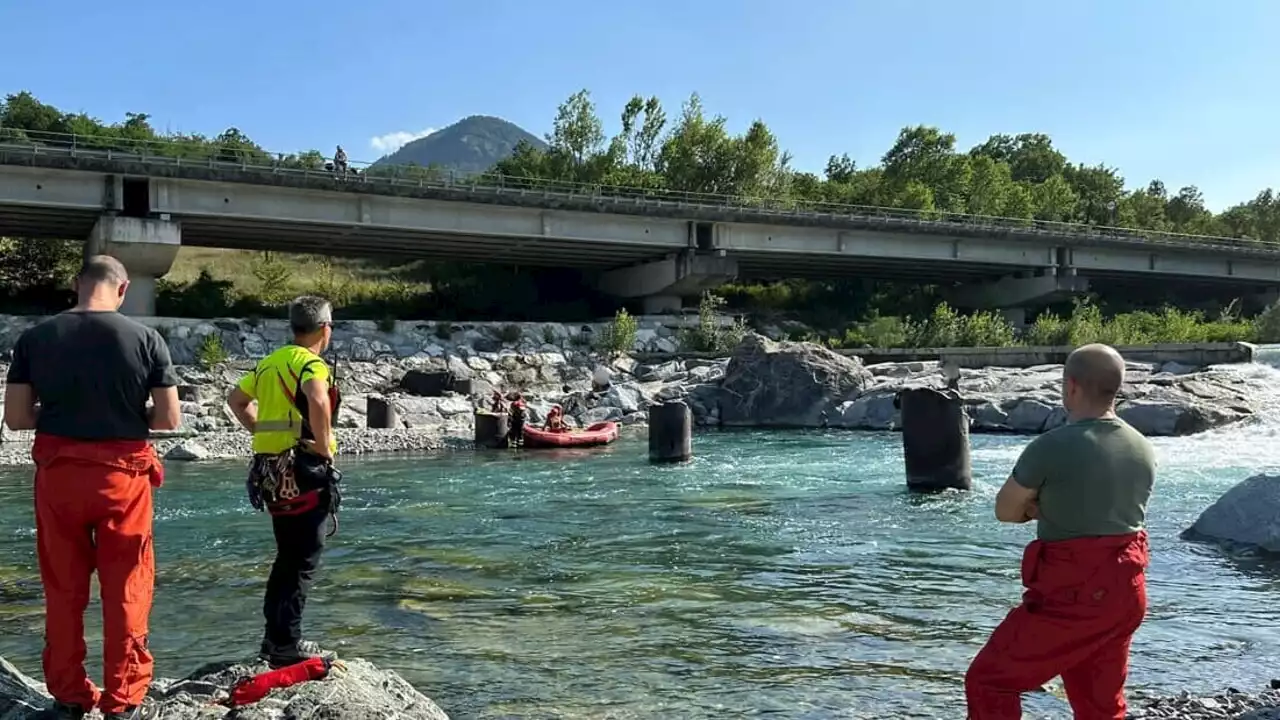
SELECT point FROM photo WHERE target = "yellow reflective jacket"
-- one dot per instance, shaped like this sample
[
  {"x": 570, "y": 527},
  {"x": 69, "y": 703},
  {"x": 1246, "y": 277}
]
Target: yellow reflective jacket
[{"x": 276, "y": 385}]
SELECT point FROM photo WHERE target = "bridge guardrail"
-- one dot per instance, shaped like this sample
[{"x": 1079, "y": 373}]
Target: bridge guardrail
[{"x": 195, "y": 153}]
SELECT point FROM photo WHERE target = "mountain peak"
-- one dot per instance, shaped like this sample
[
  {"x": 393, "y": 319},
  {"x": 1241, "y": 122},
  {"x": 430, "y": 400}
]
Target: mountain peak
[{"x": 473, "y": 144}]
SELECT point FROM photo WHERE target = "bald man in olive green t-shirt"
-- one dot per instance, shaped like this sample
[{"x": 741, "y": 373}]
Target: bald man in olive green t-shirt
[{"x": 1086, "y": 484}]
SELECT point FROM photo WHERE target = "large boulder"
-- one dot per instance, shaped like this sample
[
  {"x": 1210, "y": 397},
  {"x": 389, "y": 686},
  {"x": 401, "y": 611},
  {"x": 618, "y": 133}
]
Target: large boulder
[
  {"x": 355, "y": 691},
  {"x": 787, "y": 384},
  {"x": 1246, "y": 516}
]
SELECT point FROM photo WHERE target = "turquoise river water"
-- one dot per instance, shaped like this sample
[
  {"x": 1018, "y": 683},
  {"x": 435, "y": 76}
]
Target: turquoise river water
[{"x": 777, "y": 574}]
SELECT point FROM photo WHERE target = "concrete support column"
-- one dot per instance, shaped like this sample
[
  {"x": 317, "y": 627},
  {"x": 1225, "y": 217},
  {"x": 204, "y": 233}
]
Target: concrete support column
[
  {"x": 1008, "y": 292},
  {"x": 1016, "y": 316},
  {"x": 145, "y": 246},
  {"x": 663, "y": 283}
]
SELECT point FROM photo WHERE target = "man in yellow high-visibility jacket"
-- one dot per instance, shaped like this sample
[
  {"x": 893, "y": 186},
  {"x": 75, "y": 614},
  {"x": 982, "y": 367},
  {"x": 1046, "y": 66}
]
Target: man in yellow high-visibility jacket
[{"x": 288, "y": 403}]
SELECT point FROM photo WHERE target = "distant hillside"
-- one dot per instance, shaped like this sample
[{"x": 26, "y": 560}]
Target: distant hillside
[{"x": 472, "y": 144}]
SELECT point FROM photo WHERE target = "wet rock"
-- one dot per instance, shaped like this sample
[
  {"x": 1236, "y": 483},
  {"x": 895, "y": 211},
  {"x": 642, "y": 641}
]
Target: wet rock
[
  {"x": 187, "y": 450},
  {"x": 1246, "y": 516},
  {"x": 626, "y": 397},
  {"x": 1229, "y": 704},
  {"x": 354, "y": 690},
  {"x": 786, "y": 384}
]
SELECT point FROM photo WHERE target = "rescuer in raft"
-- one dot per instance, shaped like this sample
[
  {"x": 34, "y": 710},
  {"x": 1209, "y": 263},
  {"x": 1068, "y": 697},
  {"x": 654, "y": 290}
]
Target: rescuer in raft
[
  {"x": 289, "y": 402},
  {"x": 1086, "y": 484},
  {"x": 91, "y": 371},
  {"x": 555, "y": 420}
]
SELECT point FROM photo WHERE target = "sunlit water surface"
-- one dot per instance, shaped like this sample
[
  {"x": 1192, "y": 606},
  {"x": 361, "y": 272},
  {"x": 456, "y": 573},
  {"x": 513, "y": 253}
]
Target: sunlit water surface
[{"x": 777, "y": 574}]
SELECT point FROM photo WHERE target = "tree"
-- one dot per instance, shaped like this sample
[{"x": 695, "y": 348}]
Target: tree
[
  {"x": 1054, "y": 200},
  {"x": 926, "y": 155},
  {"x": 577, "y": 132}
]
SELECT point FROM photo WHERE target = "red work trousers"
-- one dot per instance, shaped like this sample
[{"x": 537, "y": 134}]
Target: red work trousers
[
  {"x": 1084, "y": 600},
  {"x": 94, "y": 512}
]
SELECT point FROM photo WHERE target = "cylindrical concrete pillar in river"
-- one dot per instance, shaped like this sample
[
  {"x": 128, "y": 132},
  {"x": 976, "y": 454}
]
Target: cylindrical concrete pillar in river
[
  {"x": 491, "y": 430},
  {"x": 670, "y": 432},
  {"x": 935, "y": 439},
  {"x": 380, "y": 413}
]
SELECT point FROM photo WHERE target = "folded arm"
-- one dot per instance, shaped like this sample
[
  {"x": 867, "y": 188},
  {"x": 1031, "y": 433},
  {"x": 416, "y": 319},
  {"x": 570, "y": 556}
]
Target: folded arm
[{"x": 1015, "y": 503}]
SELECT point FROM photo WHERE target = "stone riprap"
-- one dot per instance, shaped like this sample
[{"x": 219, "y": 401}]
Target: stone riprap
[
  {"x": 367, "y": 341},
  {"x": 355, "y": 690},
  {"x": 763, "y": 384}
]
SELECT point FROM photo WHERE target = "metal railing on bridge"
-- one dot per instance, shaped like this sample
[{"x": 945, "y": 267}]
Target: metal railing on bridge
[{"x": 196, "y": 152}]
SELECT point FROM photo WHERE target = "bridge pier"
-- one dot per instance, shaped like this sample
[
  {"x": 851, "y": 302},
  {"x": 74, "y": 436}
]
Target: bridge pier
[
  {"x": 147, "y": 248},
  {"x": 664, "y": 283},
  {"x": 1020, "y": 291}
]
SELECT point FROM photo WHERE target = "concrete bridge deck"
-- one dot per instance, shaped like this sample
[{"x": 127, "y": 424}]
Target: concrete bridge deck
[{"x": 61, "y": 191}]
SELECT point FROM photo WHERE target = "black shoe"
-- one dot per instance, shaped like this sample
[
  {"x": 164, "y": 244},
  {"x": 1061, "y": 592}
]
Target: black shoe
[
  {"x": 278, "y": 656},
  {"x": 61, "y": 711}
]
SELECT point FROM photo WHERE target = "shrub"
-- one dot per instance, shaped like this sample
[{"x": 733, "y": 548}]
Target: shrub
[
  {"x": 619, "y": 336},
  {"x": 710, "y": 334},
  {"x": 1267, "y": 324},
  {"x": 510, "y": 333},
  {"x": 211, "y": 352},
  {"x": 548, "y": 335},
  {"x": 274, "y": 277}
]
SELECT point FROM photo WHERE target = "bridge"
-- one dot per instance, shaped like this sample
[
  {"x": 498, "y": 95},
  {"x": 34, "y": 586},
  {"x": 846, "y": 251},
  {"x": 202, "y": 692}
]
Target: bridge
[{"x": 141, "y": 202}]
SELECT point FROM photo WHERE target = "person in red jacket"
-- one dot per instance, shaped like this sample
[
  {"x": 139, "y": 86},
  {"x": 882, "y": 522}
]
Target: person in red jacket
[
  {"x": 1086, "y": 484},
  {"x": 81, "y": 380}
]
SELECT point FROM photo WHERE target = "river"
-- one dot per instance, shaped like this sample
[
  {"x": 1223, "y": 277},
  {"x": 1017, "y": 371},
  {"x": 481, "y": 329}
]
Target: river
[{"x": 777, "y": 574}]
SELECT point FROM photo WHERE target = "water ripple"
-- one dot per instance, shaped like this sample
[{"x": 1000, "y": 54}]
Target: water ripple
[{"x": 775, "y": 575}]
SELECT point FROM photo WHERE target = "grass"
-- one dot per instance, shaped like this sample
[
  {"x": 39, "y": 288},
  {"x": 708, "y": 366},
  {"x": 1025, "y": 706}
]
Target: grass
[{"x": 242, "y": 267}]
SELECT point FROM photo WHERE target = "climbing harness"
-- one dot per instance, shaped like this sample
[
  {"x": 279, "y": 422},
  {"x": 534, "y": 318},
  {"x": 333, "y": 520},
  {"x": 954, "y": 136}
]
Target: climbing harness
[{"x": 296, "y": 480}]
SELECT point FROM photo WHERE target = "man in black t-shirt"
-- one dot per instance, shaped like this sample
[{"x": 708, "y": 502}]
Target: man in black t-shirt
[{"x": 81, "y": 380}]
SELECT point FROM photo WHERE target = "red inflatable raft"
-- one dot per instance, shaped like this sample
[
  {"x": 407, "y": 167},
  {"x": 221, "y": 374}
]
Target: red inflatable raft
[{"x": 598, "y": 434}]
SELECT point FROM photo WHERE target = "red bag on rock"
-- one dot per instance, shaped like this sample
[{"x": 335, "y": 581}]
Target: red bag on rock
[{"x": 251, "y": 690}]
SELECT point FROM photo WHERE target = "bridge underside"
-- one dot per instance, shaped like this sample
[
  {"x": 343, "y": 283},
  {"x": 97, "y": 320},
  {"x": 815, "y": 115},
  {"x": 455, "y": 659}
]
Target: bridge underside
[{"x": 632, "y": 254}]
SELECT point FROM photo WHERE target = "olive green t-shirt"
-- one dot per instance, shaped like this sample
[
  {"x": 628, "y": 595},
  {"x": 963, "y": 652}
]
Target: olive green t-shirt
[{"x": 1094, "y": 478}]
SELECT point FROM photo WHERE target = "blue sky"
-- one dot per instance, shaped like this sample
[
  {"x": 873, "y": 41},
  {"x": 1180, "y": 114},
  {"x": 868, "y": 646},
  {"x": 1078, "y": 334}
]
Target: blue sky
[{"x": 1182, "y": 90}]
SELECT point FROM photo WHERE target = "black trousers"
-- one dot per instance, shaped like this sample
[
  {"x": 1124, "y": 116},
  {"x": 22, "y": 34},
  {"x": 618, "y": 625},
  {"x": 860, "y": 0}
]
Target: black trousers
[{"x": 299, "y": 544}]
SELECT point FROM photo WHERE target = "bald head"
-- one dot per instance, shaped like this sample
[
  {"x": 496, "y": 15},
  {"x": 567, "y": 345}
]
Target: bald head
[
  {"x": 1098, "y": 370},
  {"x": 99, "y": 269}
]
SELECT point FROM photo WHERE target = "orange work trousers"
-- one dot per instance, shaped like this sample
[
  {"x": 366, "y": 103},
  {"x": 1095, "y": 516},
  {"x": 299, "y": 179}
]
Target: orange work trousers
[
  {"x": 94, "y": 512},
  {"x": 1084, "y": 600}
]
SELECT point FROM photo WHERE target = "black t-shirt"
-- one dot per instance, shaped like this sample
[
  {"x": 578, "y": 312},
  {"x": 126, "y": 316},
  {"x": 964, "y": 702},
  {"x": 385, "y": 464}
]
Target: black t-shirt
[{"x": 92, "y": 373}]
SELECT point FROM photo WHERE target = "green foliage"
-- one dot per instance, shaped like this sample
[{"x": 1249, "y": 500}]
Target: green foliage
[
  {"x": 211, "y": 351},
  {"x": 619, "y": 336},
  {"x": 510, "y": 333},
  {"x": 712, "y": 333},
  {"x": 274, "y": 276},
  {"x": 203, "y": 297},
  {"x": 1267, "y": 324}
]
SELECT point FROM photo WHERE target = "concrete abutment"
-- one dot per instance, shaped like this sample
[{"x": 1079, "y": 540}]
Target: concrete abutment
[
  {"x": 147, "y": 247},
  {"x": 663, "y": 284}
]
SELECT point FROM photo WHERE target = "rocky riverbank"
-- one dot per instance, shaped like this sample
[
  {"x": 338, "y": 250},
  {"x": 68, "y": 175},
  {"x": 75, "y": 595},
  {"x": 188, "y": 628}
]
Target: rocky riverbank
[
  {"x": 1230, "y": 703},
  {"x": 355, "y": 690},
  {"x": 762, "y": 384},
  {"x": 434, "y": 384}
]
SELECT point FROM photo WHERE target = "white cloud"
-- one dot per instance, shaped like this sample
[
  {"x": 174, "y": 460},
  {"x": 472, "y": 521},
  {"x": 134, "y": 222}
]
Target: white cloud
[{"x": 393, "y": 141}]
